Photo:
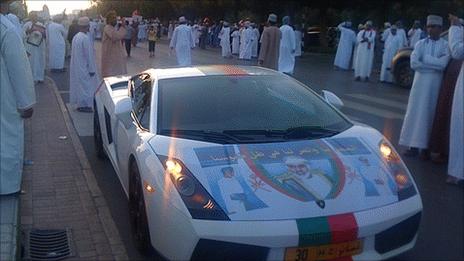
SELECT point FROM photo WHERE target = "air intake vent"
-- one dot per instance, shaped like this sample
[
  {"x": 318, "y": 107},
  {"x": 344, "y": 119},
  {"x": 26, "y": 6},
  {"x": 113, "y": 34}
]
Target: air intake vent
[{"x": 48, "y": 244}]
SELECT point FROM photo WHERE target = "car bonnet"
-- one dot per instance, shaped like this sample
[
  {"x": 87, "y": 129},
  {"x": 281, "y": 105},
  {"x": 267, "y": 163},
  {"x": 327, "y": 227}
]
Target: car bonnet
[{"x": 290, "y": 180}]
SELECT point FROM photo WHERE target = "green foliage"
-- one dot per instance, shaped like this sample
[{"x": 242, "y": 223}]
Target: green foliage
[{"x": 309, "y": 12}]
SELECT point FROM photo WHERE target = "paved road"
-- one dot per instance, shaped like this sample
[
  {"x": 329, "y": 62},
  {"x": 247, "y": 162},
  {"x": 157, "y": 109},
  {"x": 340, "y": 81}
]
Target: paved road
[{"x": 381, "y": 106}]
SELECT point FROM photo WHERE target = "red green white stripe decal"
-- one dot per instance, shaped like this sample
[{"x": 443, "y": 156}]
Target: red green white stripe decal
[
  {"x": 229, "y": 70},
  {"x": 327, "y": 230}
]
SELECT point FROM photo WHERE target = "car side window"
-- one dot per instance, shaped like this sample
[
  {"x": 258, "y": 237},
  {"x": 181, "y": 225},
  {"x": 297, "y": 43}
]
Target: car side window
[{"x": 141, "y": 98}]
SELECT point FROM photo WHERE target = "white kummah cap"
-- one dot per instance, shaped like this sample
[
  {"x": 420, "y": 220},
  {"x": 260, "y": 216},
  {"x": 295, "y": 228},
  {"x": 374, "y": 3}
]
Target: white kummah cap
[
  {"x": 434, "y": 20},
  {"x": 83, "y": 21},
  {"x": 387, "y": 24},
  {"x": 286, "y": 19},
  {"x": 225, "y": 23},
  {"x": 182, "y": 19},
  {"x": 272, "y": 18},
  {"x": 58, "y": 18},
  {"x": 15, "y": 6},
  {"x": 369, "y": 23},
  {"x": 394, "y": 26}
]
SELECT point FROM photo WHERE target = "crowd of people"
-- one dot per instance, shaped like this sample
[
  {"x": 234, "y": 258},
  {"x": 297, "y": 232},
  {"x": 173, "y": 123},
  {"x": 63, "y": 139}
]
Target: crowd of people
[
  {"x": 28, "y": 45},
  {"x": 434, "y": 109},
  {"x": 273, "y": 47}
]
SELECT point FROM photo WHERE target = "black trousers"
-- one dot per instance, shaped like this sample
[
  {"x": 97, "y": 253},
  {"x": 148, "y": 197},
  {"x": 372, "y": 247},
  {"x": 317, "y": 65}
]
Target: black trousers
[
  {"x": 151, "y": 46},
  {"x": 127, "y": 43}
]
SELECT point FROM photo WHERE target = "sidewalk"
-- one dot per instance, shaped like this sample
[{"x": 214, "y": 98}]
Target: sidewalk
[{"x": 61, "y": 190}]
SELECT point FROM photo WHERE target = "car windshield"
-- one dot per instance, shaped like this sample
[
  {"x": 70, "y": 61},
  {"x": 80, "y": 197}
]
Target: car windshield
[{"x": 244, "y": 109}]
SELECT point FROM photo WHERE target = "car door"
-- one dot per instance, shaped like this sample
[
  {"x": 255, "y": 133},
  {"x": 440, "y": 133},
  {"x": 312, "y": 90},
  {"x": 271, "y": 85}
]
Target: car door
[{"x": 129, "y": 132}]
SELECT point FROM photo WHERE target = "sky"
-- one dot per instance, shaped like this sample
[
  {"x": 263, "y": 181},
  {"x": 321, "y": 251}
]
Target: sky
[{"x": 57, "y": 7}]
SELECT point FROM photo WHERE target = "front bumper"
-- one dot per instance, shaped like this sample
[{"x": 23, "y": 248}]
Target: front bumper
[{"x": 385, "y": 232}]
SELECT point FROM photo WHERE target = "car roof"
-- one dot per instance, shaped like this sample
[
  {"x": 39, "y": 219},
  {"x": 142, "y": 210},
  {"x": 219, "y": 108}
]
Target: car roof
[
  {"x": 196, "y": 71},
  {"x": 209, "y": 70}
]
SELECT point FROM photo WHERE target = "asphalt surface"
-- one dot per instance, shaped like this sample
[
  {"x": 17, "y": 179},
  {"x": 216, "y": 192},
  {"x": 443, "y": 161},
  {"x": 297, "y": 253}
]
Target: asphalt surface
[{"x": 379, "y": 105}]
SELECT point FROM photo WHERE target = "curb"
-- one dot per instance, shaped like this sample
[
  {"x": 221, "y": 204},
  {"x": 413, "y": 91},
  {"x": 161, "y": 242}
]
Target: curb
[
  {"x": 10, "y": 232},
  {"x": 103, "y": 211}
]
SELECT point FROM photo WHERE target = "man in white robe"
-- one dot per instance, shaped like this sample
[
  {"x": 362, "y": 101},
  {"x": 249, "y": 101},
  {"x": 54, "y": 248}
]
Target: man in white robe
[
  {"x": 355, "y": 52},
  {"x": 298, "y": 41},
  {"x": 287, "y": 47},
  {"x": 183, "y": 41},
  {"x": 456, "y": 152},
  {"x": 99, "y": 29},
  {"x": 35, "y": 46},
  {"x": 170, "y": 29},
  {"x": 16, "y": 10},
  {"x": 429, "y": 59},
  {"x": 224, "y": 35},
  {"x": 414, "y": 34},
  {"x": 82, "y": 79},
  {"x": 345, "y": 46},
  {"x": 392, "y": 45},
  {"x": 56, "y": 33},
  {"x": 235, "y": 41},
  {"x": 402, "y": 33},
  {"x": 93, "y": 30},
  {"x": 246, "y": 42},
  {"x": 196, "y": 33},
  {"x": 140, "y": 32},
  {"x": 254, "y": 50},
  {"x": 386, "y": 31},
  {"x": 364, "y": 53},
  {"x": 17, "y": 97}
]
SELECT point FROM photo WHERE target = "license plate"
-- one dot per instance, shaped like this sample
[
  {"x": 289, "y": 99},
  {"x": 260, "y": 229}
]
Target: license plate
[{"x": 323, "y": 252}]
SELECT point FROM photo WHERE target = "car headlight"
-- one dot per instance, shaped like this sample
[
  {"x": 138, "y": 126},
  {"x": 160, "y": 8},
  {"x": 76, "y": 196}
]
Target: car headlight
[
  {"x": 398, "y": 170},
  {"x": 197, "y": 200}
]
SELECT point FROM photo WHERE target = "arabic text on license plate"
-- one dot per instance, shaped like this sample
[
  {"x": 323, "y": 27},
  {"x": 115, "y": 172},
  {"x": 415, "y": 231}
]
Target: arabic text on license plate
[{"x": 323, "y": 252}]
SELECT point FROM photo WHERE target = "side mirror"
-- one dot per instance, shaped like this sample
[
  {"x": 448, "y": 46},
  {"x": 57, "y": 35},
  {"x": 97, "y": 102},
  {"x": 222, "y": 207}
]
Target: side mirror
[
  {"x": 122, "y": 111},
  {"x": 333, "y": 99}
]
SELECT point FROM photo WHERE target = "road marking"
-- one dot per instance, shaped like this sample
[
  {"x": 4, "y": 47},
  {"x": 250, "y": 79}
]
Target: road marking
[
  {"x": 83, "y": 122},
  {"x": 372, "y": 110},
  {"x": 400, "y": 97},
  {"x": 386, "y": 102}
]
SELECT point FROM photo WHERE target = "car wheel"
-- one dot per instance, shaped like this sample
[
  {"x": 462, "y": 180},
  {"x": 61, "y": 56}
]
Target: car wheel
[
  {"x": 97, "y": 136},
  {"x": 137, "y": 213},
  {"x": 404, "y": 75}
]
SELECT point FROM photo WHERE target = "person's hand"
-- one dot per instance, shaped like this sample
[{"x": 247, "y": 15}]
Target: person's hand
[
  {"x": 26, "y": 113},
  {"x": 91, "y": 74}
]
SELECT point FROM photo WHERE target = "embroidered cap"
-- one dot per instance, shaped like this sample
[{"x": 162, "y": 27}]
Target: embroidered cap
[
  {"x": 434, "y": 20},
  {"x": 83, "y": 21}
]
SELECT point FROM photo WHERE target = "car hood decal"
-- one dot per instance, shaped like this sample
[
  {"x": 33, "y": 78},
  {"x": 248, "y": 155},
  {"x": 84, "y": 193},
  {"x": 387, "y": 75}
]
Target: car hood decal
[{"x": 293, "y": 180}]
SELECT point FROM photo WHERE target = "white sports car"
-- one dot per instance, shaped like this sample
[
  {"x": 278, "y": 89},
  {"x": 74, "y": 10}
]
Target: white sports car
[{"x": 245, "y": 163}]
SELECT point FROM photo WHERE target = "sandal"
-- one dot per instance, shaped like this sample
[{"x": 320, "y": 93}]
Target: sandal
[{"x": 454, "y": 181}]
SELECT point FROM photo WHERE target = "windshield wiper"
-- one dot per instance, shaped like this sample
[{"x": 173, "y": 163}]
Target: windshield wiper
[
  {"x": 267, "y": 133},
  {"x": 309, "y": 132},
  {"x": 206, "y": 135},
  {"x": 299, "y": 132}
]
